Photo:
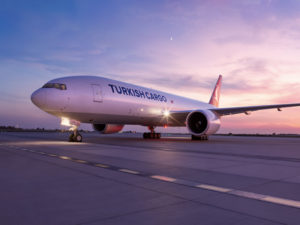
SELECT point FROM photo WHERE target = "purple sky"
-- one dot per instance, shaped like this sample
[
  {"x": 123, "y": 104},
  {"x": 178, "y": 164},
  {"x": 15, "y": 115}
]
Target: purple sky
[{"x": 175, "y": 46}]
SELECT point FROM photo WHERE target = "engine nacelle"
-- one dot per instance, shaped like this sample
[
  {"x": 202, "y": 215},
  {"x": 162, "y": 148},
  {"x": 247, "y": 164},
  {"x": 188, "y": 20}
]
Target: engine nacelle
[
  {"x": 108, "y": 128},
  {"x": 202, "y": 122}
]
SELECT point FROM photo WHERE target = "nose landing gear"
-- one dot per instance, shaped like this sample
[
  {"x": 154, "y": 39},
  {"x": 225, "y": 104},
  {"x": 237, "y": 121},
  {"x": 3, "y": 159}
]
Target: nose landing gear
[
  {"x": 75, "y": 136},
  {"x": 151, "y": 134}
]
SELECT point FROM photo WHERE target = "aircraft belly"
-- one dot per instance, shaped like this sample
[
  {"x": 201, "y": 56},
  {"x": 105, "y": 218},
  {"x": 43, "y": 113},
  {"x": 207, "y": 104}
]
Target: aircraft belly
[{"x": 118, "y": 119}]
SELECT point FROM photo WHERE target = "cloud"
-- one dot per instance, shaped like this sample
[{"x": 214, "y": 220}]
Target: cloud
[{"x": 289, "y": 93}]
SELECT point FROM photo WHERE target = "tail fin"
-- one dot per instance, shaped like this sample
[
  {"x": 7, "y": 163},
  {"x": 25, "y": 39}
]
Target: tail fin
[{"x": 214, "y": 99}]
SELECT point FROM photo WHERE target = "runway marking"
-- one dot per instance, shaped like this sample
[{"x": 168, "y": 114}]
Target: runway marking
[
  {"x": 224, "y": 190},
  {"x": 79, "y": 161},
  {"x": 282, "y": 201},
  {"x": 42, "y": 153},
  {"x": 251, "y": 195},
  {"x": 101, "y": 165},
  {"x": 213, "y": 188},
  {"x": 248, "y": 194},
  {"x": 128, "y": 171},
  {"x": 163, "y": 178},
  {"x": 64, "y": 157}
]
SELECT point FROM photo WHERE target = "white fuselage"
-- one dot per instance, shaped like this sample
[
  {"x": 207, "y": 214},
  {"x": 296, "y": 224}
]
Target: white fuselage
[{"x": 98, "y": 100}]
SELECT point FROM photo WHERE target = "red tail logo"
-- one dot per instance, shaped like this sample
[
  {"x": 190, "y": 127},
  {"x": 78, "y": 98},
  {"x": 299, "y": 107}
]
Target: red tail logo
[{"x": 214, "y": 99}]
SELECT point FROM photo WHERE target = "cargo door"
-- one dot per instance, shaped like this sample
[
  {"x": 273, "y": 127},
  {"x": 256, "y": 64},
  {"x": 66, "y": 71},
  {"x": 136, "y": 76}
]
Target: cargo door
[{"x": 97, "y": 93}]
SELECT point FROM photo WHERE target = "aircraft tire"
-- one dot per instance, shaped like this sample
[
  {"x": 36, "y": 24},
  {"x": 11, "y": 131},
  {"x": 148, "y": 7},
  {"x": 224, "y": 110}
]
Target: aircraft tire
[
  {"x": 75, "y": 138},
  {"x": 145, "y": 135},
  {"x": 200, "y": 138},
  {"x": 151, "y": 135},
  {"x": 78, "y": 138},
  {"x": 71, "y": 138}
]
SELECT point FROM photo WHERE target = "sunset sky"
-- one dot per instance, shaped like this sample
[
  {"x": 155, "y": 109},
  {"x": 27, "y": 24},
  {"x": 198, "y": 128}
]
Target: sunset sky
[{"x": 176, "y": 46}]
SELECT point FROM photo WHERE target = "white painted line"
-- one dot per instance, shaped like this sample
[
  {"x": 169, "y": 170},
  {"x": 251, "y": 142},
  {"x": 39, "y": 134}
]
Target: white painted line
[
  {"x": 64, "y": 157},
  {"x": 251, "y": 195},
  {"x": 101, "y": 165},
  {"x": 42, "y": 153},
  {"x": 214, "y": 188},
  {"x": 128, "y": 171},
  {"x": 282, "y": 201},
  {"x": 80, "y": 161},
  {"x": 247, "y": 194},
  {"x": 163, "y": 178}
]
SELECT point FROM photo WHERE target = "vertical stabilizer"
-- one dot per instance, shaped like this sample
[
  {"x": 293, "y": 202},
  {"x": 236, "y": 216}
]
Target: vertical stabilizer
[{"x": 214, "y": 99}]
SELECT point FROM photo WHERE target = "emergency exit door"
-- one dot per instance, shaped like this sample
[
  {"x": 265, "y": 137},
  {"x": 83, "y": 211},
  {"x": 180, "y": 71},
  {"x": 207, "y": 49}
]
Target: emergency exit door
[{"x": 97, "y": 93}]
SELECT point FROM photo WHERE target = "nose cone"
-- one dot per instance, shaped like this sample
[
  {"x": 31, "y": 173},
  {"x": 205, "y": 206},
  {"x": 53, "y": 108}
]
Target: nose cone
[{"x": 39, "y": 98}]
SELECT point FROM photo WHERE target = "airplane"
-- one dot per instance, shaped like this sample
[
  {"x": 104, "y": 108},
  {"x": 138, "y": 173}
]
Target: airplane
[{"x": 110, "y": 104}]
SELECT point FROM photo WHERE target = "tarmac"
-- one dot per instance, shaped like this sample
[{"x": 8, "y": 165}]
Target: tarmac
[{"x": 124, "y": 179}]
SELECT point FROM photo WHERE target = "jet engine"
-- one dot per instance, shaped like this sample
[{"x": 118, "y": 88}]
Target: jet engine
[
  {"x": 202, "y": 122},
  {"x": 108, "y": 128}
]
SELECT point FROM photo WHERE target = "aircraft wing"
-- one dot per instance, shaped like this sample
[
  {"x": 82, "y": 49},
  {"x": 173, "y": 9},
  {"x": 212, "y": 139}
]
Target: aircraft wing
[
  {"x": 247, "y": 109},
  {"x": 180, "y": 116}
]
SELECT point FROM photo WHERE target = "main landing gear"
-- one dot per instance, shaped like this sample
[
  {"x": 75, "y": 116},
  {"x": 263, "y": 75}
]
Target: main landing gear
[
  {"x": 75, "y": 136},
  {"x": 151, "y": 134},
  {"x": 200, "y": 138}
]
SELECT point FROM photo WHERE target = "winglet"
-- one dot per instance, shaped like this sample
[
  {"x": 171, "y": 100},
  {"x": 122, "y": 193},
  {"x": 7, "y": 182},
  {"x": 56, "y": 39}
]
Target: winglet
[{"x": 214, "y": 99}]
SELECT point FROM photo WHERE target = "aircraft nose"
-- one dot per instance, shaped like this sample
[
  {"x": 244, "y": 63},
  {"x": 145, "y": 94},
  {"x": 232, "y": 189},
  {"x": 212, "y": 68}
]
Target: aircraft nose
[{"x": 39, "y": 98}]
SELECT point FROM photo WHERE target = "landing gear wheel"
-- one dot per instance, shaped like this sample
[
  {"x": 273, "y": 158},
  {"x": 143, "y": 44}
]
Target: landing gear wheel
[
  {"x": 71, "y": 138},
  {"x": 200, "y": 138},
  {"x": 78, "y": 138},
  {"x": 75, "y": 137},
  {"x": 151, "y": 135}
]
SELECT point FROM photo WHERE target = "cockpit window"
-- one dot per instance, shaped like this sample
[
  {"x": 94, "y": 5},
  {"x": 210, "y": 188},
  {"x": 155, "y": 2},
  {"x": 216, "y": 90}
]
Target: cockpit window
[{"x": 55, "y": 85}]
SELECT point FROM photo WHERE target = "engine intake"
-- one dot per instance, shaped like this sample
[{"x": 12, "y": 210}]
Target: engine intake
[
  {"x": 108, "y": 128},
  {"x": 202, "y": 122}
]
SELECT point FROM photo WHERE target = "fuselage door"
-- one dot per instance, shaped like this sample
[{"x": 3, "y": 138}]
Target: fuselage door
[{"x": 97, "y": 93}]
